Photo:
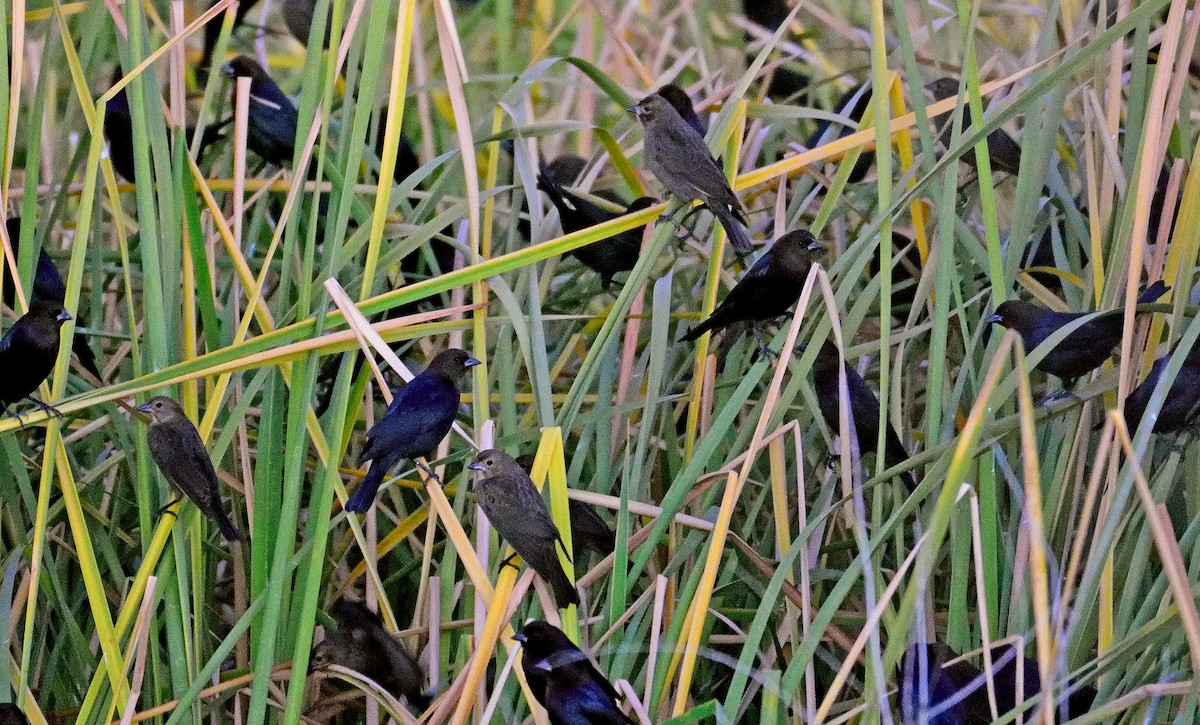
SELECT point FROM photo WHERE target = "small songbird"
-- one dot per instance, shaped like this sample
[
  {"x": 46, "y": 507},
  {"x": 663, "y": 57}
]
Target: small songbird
[
  {"x": 1081, "y": 351},
  {"x": 1003, "y": 152},
  {"x": 118, "y": 131},
  {"x": 864, "y": 409},
  {"x": 212, "y": 31},
  {"x": 47, "y": 285},
  {"x": 680, "y": 160},
  {"x": 10, "y": 714},
  {"x": 589, "y": 531},
  {"x": 565, "y": 681},
  {"x": 786, "y": 84},
  {"x": 606, "y": 257},
  {"x": 179, "y": 452},
  {"x": 682, "y": 103},
  {"x": 421, "y": 414},
  {"x": 770, "y": 287},
  {"x": 519, "y": 514},
  {"x": 852, "y": 104},
  {"x": 298, "y": 16},
  {"x": 28, "y": 352},
  {"x": 361, "y": 643},
  {"x": 272, "y": 120},
  {"x": 1181, "y": 408}
]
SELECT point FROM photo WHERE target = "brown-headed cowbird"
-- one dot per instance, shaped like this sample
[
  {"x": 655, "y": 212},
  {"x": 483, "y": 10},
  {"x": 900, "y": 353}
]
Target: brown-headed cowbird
[
  {"x": 937, "y": 693},
  {"x": 680, "y": 160},
  {"x": 10, "y": 714},
  {"x": 298, "y": 16},
  {"x": 1181, "y": 407},
  {"x": 864, "y": 409},
  {"x": 421, "y": 414},
  {"x": 1080, "y": 352},
  {"x": 906, "y": 273},
  {"x": 852, "y": 104},
  {"x": 272, "y": 118},
  {"x": 565, "y": 681},
  {"x": 28, "y": 352},
  {"x": 588, "y": 530},
  {"x": 770, "y": 287},
  {"x": 212, "y": 31},
  {"x": 177, "y": 449},
  {"x": 519, "y": 514},
  {"x": 682, "y": 103},
  {"x": 1003, "y": 152},
  {"x": 606, "y": 257},
  {"x": 361, "y": 643},
  {"x": 785, "y": 82}
]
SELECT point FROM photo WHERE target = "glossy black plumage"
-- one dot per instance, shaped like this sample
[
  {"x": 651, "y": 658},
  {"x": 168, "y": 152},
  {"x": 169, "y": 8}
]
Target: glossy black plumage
[
  {"x": 212, "y": 31},
  {"x": 1003, "y": 152},
  {"x": 682, "y": 163},
  {"x": 606, "y": 257},
  {"x": 272, "y": 118},
  {"x": 10, "y": 714},
  {"x": 770, "y": 287},
  {"x": 421, "y": 414},
  {"x": 361, "y": 643},
  {"x": 177, "y": 449},
  {"x": 519, "y": 514},
  {"x": 1080, "y": 352},
  {"x": 28, "y": 351},
  {"x": 864, "y": 409},
  {"x": 565, "y": 681},
  {"x": 682, "y": 103},
  {"x": 118, "y": 131},
  {"x": 1181, "y": 407},
  {"x": 906, "y": 273},
  {"x": 852, "y": 104}
]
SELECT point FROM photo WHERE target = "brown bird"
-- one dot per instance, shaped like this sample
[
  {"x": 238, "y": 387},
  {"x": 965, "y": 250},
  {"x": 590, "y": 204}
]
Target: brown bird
[
  {"x": 28, "y": 352},
  {"x": 361, "y": 643},
  {"x": 1181, "y": 407},
  {"x": 1080, "y": 352},
  {"x": 769, "y": 288},
  {"x": 682, "y": 163},
  {"x": 517, "y": 511},
  {"x": 1003, "y": 152},
  {"x": 176, "y": 447}
]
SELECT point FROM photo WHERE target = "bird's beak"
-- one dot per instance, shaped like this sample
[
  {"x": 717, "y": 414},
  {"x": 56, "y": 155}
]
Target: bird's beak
[
  {"x": 471, "y": 362},
  {"x": 632, "y": 109},
  {"x": 144, "y": 408},
  {"x": 520, "y": 638},
  {"x": 994, "y": 319},
  {"x": 476, "y": 466},
  {"x": 63, "y": 316},
  {"x": 815, "y": 246},
  {"x": 227, "y": 69}
]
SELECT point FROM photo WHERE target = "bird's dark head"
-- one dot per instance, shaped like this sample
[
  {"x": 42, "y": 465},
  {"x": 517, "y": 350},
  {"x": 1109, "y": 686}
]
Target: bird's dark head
[
  {"x": 797, "y": 248},
  {"x": 566, "y": 169},
  {"x": 49, "y": 311},
  {"x": 678, "y": 98},
  {"x": 162, "y": 409},
  {"x": 642, "y": 202},
  {"x": 1015, "y": 315},
  {"x": 541, "y": 639},
  {"x": 493, "y": 462},
  {"x": 452, "y": 364},
  {"x": 943, "y": 88},
  {"x": 654, "y": 108},
  {"x": 244, "y": 66}
]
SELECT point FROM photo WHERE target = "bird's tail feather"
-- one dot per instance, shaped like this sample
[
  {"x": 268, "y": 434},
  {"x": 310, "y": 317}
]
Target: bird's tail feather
[
  {"x": 737, "y": 233},
  {"x": 87, "y": 358},
  {"x": 362, "y": 498},
  {"x": 228, "y": 530},
  {"x": 1153, "y": 292},
  {"x": 694, "y": 334},
  {"x": 551, "y": 571}
]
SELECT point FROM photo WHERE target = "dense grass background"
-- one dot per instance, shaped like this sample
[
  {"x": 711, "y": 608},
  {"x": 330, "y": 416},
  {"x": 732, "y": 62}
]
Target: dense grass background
[{"x": 753, "y": 582}]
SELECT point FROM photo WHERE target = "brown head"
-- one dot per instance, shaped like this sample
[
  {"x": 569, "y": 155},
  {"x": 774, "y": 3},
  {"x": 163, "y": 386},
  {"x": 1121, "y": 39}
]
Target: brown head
[
  {"x": 47, "y": 313},
  {"x": 496, "y": 463},
  {"x": 163, "y": 410},
  {"x": 244, "y": 66},
  {"x": 567, "y": 169},
  {"x": 541, "y": 639},
  {"x": 10, "y": 714},
  {"x": 1017, "y": 315},
  {"x": 656, "y": 109},
  {"x": 452, "y": 364},
  {"x": 796, "y": 250}
]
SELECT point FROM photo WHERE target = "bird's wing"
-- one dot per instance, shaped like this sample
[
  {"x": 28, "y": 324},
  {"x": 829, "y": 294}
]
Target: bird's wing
[
  {"x": 517, "y": 510},
  {"x": 180, "y": 443},
  {"x": 426, "y": 403}
]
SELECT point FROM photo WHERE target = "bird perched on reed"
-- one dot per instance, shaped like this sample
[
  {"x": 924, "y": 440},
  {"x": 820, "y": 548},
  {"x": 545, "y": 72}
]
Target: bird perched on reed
[
  {"x": 1082, "y": 350},
  {"x": 179, "y": 452},
  {"x": 28, "y": 352},
  {"x": 272, "y": 118},
  {"x": 682, "y": 163},
  {"x": 564, "y": 680},
  {"x": 1181, "y": 407},
  {"x": 852, "y": 104},
  {"x": 1003, "y": 152},
  {"x": 361, "y": 643},
  {"x": 769, "y": 288},
  {"x": 518, "y": 513},
  {"x": 421, "y": 414}
]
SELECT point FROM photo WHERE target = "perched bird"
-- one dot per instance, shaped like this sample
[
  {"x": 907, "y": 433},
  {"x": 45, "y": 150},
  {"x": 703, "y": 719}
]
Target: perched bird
[
  {"x": 906, "y": 273},
  {"x": 679, "y": 159},
  {"x": 567, "y": 168},
  {"x": 10, "y": 714},
  {"x": 682, "y": 103},
  {"x": 1080, "y": 352},
  {"x": 770, "y": 14},
  {"x": 517, "y": 511},
  {"x": 852, "y": 104},
  {"x": 565, "y": 681},
  {"x": 212, "y": 31},
  {"x": 419, "y": 417},
  {"x": 1181, "y": 407},
  {"x": 28, "y": 351},
  {"x": 770, "y": 287},
  {"x": 361, "y": 643},
  {"x": 177, "y": 449},
  {"x": 864, "y": 409},
  {"x": 118, "y": 131},
  {"x": 298, "y": 16},
  {"x": 606, "y": 257},
  {"x": 589, "y": 531},
  {"x": 47, "y": 285},
  {"x": 957, "y": 694},
  {"x": 1003, "y": 152},
  {"x": 272, "y": 120}
]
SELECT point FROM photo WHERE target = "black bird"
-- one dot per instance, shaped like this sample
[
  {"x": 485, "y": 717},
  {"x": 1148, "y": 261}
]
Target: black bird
[
  {"x": 361, "y": 643},
  {"x": 28, "y": 351},
  {"x": 48, "y": 285},
  {"x": 1181, "y": 408},
  {"x": 407, "y": 162},
  {"x": 1080, "y": 352},
  {"x": 10, "y": 714},
  {"x": 682, "y": 163},
  {"x": 179, "y": 452},
  {"x": 852, "y": 104},
  {"x": 272, "y": 120},
  {"x": 565, "y": 681},
  {"x": 421, "y": 414},
  {"x": 785, "y": 83},
  {"x": 1003, "y": 152},
  {"x": 567, "y": 169},
  {"x": 958, "y": 693},
  {"x": 118, "y": 131},
  {"x": 864, "y": 409},
  {"x": 906, "y": 273},
  {"x": 212, "y": 31},
  {"x": 606, "y": 257},
  {"x": 298, "y": 16},
  {"x": 769, "y": 288},
  {"x": 682, "y": 103},
  {"x": 519, "y": 514}
]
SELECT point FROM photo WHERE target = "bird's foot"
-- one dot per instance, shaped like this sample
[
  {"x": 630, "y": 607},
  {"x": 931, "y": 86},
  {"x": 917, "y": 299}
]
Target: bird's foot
[
  {"x": 1057, "y": 396},
  {"x": 428, "y": 472},
  {"x": 764, "y": 347},
  {"x": 508, "y": 561},
  {"x": 166, "y": 510},
  {"x": 45, "y": 407}
]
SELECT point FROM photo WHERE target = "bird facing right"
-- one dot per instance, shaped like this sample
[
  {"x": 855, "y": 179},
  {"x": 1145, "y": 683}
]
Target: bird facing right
[
  {"x": 361, "y": 643},
  {"x": 272, "y": 118},
  {"x": 28, "y": 352},
  {"x": 565, "y": 681}
]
